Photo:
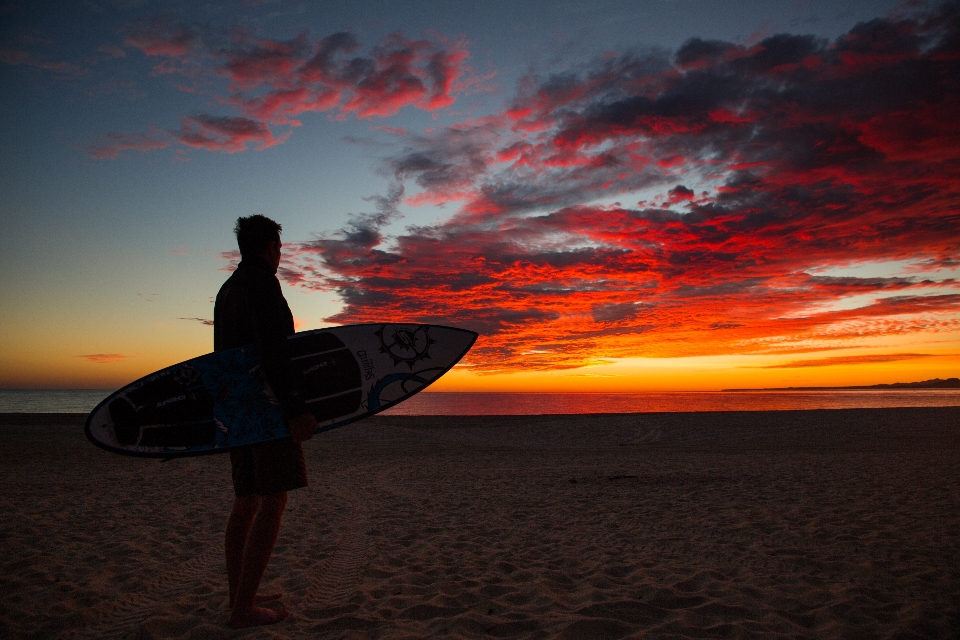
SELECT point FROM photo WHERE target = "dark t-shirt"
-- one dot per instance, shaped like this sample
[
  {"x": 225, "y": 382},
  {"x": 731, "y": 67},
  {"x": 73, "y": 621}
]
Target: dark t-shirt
[{"x": 251, "y": 309}]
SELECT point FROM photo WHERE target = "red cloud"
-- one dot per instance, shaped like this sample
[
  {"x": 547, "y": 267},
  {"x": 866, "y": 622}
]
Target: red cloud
[
  {"x": 812, "y": 154},
  {"x": 104, "y": 358}
]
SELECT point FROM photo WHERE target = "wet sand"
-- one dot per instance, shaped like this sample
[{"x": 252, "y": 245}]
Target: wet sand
[{"x": 812, "y": 524}]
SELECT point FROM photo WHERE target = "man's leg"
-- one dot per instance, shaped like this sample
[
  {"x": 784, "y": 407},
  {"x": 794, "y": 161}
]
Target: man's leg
[
  {"x": 261, "y": 536},
  {"x": 238, "y": 526}
]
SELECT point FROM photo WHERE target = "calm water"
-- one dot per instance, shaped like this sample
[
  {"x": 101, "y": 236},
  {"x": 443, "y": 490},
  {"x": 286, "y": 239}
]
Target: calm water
[
  {"x": 548, "y": 403},
  {"x": 51, "y": 400},
  {"x": 478, "y": 404}
]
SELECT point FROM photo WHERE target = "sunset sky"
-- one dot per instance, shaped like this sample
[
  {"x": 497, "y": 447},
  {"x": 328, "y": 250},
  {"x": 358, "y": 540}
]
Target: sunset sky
[{"x": 618, "y": 196}]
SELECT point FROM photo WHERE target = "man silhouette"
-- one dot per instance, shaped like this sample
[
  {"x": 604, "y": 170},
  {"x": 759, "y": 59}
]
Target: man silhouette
[{"x": 250, "y": 308}]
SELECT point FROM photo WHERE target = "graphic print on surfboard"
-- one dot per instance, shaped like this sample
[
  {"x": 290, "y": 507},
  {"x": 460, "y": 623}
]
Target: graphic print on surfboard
[{"x": 221, "y": 400}]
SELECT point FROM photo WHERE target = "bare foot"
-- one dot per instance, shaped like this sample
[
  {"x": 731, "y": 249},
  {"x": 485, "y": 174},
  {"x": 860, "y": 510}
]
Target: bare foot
[{"x": 256, "y": 617}]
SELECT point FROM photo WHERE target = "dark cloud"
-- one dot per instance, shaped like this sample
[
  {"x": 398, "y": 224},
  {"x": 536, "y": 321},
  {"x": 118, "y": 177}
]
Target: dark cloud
[
  {"x": 226, "y": 134},
  {"x": 680, "y": 193},
  {"x": 613, "y": 312}
]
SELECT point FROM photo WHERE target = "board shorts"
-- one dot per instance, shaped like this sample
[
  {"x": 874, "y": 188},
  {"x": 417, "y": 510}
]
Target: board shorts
[{"x": 267, "y": 468}]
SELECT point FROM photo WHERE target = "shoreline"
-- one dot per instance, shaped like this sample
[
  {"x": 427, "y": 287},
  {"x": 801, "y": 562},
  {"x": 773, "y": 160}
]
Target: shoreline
[
  {"x": 808, "y": 524},
  {"x": 463, "y": 403},
  {"x": 49, "y": 418}
]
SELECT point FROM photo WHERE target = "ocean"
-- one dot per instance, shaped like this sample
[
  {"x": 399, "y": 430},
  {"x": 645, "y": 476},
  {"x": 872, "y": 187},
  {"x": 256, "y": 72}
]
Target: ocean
[{"x": 478, "y": 404}]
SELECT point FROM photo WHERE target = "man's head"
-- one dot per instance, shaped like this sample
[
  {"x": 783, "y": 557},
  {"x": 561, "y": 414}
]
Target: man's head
[{"x": 259, "y": 236}]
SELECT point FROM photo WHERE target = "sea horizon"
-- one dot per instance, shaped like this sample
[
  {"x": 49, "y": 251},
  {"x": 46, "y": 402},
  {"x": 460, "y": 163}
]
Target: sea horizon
[{"x": 479, "y": 403}]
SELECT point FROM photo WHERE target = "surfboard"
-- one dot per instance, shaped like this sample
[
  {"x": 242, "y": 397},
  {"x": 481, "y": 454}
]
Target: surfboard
[{"x": 221, "y": 400}]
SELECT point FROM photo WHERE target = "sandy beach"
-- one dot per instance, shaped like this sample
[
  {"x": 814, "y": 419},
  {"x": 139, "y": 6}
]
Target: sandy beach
[{"x": 812, "y": 524}]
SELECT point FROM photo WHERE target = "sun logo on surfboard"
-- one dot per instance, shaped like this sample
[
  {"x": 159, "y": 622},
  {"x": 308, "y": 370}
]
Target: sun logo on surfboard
[{"x": 405, "y": 343}]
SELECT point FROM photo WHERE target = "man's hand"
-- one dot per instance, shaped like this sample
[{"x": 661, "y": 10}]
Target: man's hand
[{"x": 302, "y": 427}]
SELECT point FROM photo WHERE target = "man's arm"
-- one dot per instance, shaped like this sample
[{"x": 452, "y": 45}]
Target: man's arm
[
  {"x": 272, "y": 329},
  {"x": 275, "y": 361}
]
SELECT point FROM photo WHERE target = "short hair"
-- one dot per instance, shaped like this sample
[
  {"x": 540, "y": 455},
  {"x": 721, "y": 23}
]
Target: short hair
[{"x": 255, "y": 233}]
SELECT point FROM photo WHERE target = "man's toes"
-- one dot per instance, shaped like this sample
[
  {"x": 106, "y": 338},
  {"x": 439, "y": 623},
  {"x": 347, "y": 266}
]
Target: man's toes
[{"x": 257, "y": 617}]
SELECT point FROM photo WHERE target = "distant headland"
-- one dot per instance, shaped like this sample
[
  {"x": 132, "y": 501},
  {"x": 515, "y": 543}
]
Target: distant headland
[{"x": 936, "y": 383}]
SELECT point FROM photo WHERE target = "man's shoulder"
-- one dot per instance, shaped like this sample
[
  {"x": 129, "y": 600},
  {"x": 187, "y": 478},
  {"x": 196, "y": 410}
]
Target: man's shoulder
[
  {"x": 230, "y": 285},
  {"x": 254, "y": 279}
]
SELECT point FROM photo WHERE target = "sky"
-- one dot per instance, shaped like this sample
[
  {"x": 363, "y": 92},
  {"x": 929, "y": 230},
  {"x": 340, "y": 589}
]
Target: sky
[{"x": 651, "y": 195}]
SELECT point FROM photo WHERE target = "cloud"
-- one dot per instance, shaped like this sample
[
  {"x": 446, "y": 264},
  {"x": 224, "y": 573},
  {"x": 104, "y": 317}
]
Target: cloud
[
  {"x": 848, "y": 360},
  {"x": 753, "y": 167},
  {"x": 22, "y": 57},
  {"x": 111, "y": 145},
  {"x": 272, "y": 83},
  {"x": 613, "y": 312},
  {"x": 112, "y": 51},
  {"x": 680, "y": 193},
  {"x": 203, "y": 321},
  {"x": 104, "y": 358},
  {"x": 226, "y": 134},
  {"x": 233, "y": 258},
  {"x": 276, "y": 81},
  {"x": 163, "y": 36},
  {"x": 351, "y": 249}
]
